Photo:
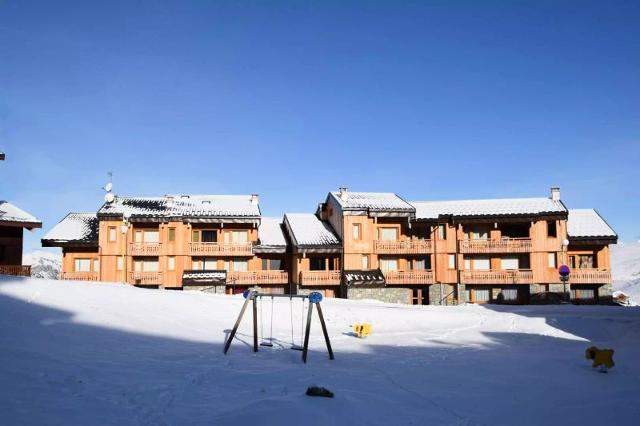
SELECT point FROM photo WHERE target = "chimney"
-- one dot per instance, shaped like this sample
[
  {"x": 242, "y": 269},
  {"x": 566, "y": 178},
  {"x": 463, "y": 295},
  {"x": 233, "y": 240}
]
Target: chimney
[
  {"x": 255, "y": 199},
  {"x": 169, "y": 201},
  {"x": 555, "y": 193},
  {"x": 343, "y": 193}
]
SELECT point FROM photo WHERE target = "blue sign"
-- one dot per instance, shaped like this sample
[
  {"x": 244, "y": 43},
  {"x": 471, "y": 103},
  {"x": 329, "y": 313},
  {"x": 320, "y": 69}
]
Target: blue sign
[
  {"x": 564, "y": 270},
  {"x": 315, "y": 297},
  {"x": 245, "y": 293}
]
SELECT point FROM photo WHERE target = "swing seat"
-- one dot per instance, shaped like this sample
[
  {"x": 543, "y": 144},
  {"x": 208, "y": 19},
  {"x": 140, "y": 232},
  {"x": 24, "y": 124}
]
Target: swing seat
[
  {"x": 297, "y": 348},
  {"x": 268, "y": 344}
]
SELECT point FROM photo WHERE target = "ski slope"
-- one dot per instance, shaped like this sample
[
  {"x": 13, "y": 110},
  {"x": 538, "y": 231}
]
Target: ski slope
[{"x": 109, "y": 354}]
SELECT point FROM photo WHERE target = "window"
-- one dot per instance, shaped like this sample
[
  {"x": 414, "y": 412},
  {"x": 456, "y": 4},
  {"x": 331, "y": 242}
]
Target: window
[
  {"x": 138, "y": 236},
  {"x": 240, "y": 265},
  {"x": 272, "y": 265},
  {"x": 355, "y": 231},
  {"x": 482, "y": 295},
  {"x": 477, "y": 233},
  {"x": 583, "y": 294},
  {"x": 552, "y": 260},
  {"x": 209, "y": 236},
  {"x": 120, "y": 263},
  {"x": 196, "y": 264},
  {"x": 481, "y": 263},
  {"x": 150, "y": 265},
  {"x": 151, "y": 236},
  {"x": 551, "y": 229},
  {"x": 441, "y": 232},
  {"x": 365, "y": 262},
  {"x": 388, "y": 234},
  {"x": 467, "y": 263},
  {"x": 389, "y": 264},
  {"x": 510, "y": 262},
  {"x": 172, "y": 234},
  {"x": 137, "y": 265},
  {"x": 586, "y": 261},
  {"x": 112, "y": 233},
  {"x": 82, "y": 265},
  {"x": 195, "y": 236},
  {"x": 171, "y": 263},
  {"x": 423, "y": 264},
  {"x": 317, "y": 263},
  {"x": 572, "y": 262},
  {"x": 452, "y": 261},
  {"x": 240, "y": 237},
  {"x": 209, "y": 263},
  {"x": 509, "y": 294},
  {"x": 96, "y": 265}
]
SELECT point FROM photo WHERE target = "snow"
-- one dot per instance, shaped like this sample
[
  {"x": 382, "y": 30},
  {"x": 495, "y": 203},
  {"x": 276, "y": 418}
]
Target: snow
[
  {"x": 184, "y": 206},
  {"x": 87, "y": 353},
  {"x": 625, "y": 267},
  {"x": 490, "y": 207},
  {"x": 11, "y": 213},
  {"x": 587, "y": 223},
  {"x": 307, "y": 229},
  {"x": 376, "y": 201},
  {"x": 44, "y": 264},
  {"x": 270, "y": 232},
  {"x": 75, "y": 227}
]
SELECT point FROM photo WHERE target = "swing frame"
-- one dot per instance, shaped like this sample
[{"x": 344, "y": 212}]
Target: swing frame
[{"x": 253, "y": 296}]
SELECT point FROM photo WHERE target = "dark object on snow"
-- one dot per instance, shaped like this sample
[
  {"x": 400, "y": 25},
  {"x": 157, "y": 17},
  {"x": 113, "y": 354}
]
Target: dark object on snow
[
  {"x": 546, "y": 298},
  {"x": 319, "y": 391}
]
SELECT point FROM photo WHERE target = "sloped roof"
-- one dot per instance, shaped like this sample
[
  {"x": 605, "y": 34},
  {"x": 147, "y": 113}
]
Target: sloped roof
[
  {"x": 491, "y": 207},
  {"x": 12, "y": 215},
  {"x": 271, "y": 237},
  {"x": 587, "y": 223},
  {"x": 75, "y": 228},
  {"x": 183, "y": 206},
  {"x": 372, "y": 201},
  {"x": 305, "y": 229}
]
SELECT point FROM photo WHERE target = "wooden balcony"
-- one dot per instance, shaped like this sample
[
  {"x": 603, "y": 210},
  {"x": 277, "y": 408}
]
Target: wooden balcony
[
  {"x": 320, "y": 278},
  {"x": 17, "y": 270},
  {"x": 258, "y": 277},
  {"x": 505, "y": 245},
  {"x": 145, "y": 278},
  {"x": 589, "y": 276},
  {"x": 79, "y": 276},
  {"x": 402, "y": 247},
  {"x": 408, "y": 277},
  {"x": 521, "y": 276},
  {"x": 220, "y": 249},
  {"x": 145, "y": 249}
]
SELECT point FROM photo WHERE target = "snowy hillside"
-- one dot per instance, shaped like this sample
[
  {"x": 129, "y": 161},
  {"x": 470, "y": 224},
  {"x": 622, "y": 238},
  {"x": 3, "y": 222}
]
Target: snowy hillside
[
  {"x": 44, "y": 264},
  {"x": 87, "y": 353},
  {"x": 625, "y": 265}
]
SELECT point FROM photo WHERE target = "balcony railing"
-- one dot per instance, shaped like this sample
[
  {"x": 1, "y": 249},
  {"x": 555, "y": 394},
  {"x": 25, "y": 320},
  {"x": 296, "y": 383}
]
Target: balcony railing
[
  {"x": 403, "y": 247},
  {"x": 505, "y": 245},
  {"x": 522, "y": 276},
  {"x": 220, "y": 249},
  {"x": 319, "y": 278},
  {"x": 79, "y": 276},
  {"x": 589, "y": 276},
  {"x": 145, "y": 278},
  {"x": 17, "y": 270},
  {"x": 258, "y": 277},
  {"x": 145, "y": 249},
  {"x": 409, "y": 277}
]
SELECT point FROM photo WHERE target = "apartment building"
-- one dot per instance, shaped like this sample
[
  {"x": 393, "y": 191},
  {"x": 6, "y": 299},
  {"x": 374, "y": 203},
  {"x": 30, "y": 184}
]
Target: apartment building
[
  {"x": 177, "y": 241},
  {"x": 356, "y": 245}
]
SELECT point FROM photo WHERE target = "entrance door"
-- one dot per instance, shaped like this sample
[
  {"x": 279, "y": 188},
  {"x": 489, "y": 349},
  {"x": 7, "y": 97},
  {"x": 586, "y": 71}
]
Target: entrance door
[{"x": 420, "y": 296}]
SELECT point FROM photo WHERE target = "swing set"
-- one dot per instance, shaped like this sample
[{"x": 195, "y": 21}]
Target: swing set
[{"x": 255, "y": 297}]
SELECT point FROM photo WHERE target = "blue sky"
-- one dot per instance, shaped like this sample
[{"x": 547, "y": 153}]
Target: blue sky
[{"x": 431, "y": 100}]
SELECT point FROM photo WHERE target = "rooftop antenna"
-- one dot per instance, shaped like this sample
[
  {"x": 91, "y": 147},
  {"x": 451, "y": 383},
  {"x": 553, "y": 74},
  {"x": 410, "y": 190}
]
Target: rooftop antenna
[{"x": 109, "y": 197}]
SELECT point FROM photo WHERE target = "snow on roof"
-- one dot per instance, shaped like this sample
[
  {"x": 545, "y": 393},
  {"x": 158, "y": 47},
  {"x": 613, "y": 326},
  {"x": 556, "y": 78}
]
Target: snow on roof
[
  {"x": 307, "y": 230},
  {"x": 74, "y": 228},
  {"x": 584, "y": 223},
  {"x": 184, "y": 206},
  {"x": 377, "y": 201},
  {"x": 492, "y": 207},
  {"x": 270, "y": 232},
  {"x": 13, "y": 214}
]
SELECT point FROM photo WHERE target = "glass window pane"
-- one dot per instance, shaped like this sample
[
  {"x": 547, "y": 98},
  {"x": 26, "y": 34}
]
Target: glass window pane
[
  {"x": 275, "y": 264},
  {"x": 138, "y": 235},
  {"x": 552, "y": 260},
  {"x": 172, "y": 234},
  {"x": 195, "y": 236},
  {"x": 389, "y": 264},
  {"x": 209, "y": 236},
  {"x": 96, "y": 265},
  {"x": 452, "y": 261},
  {"x": 210, "y": 263},
  {"x": 137, "y": 266},
  {"x": 83, "y": 265},
  {"x": 171, "y": 263},
  {"x": 365, "y": 262},
  {"x": 420, "y": 264},
  {"x": 240, "y": 265},
  {"x": 388, "y": 234},
  {"x": 510, "y": 262},
  {"x": 151, "y": 236},
  {"x": 150, "y": 266},
  {"x": 112, "y": 233},
  {"x": 120, "y": 263},
  {"x": 467, "y": 264},
  {"x": 240, "y": 237},
  {"x": 481, "y": 264}
]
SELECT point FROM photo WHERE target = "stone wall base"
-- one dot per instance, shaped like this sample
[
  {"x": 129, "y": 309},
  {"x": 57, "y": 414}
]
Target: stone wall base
[
  {"x": 383, "y": 294},
  {"x": 218, "y": 289}
]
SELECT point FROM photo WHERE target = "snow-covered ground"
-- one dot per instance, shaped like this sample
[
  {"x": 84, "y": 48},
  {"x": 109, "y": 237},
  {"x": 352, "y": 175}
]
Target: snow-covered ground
[
  {"x": 625, "y": 266},
  {"x": 86, "y": 353}
]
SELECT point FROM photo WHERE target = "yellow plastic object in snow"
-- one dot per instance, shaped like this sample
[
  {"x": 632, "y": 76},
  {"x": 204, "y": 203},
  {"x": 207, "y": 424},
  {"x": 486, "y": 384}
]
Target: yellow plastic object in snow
[
  {"x": 362, "y": 330},
  {"x": 601, "y": 357}
]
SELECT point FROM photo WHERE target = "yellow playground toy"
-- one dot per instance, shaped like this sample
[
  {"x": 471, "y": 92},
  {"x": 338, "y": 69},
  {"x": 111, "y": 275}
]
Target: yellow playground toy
[
  {"x": 602, "y": 358},
  {"x": 362, "y": 330}
]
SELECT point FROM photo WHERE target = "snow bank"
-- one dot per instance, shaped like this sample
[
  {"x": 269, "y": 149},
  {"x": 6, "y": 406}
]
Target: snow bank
[
  {"x": 625, "y": 266},
  {"x": 87, "y": 353}
]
